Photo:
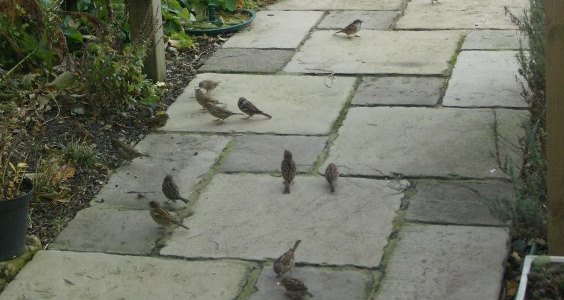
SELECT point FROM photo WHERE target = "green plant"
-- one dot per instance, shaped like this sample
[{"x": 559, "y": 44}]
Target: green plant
[
  {"x": 114, "y": 78},
  {"x": 80, "y": 154},
  {"x": 13, "y": 164}
]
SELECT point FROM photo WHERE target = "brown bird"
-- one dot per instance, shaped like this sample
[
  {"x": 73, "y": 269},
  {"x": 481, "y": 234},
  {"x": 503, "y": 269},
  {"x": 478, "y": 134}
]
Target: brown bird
[
  {"x": 161, "y": 216},
  {"x": 250, "y": 109},
  {"x": 285, "y": 262},
  {"x": 288, "y": 171},
  {"x": 158, "y": 120},
  {"x": 126, "y": 152},
  {"x": 351, "y": 29},
  {"x": 433, "y": 2},
  {"x": 331, "y": 174},
  {"x": 219, "y": 112},
  {"x": 295, "y": 288},
  {"x": 204, "y": 99},
  {"x": 208, "y": 85},
  {"x": 170, "y": 189}
]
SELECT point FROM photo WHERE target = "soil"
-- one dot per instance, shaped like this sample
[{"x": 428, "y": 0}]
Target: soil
[{"x": 48, "y": 218}]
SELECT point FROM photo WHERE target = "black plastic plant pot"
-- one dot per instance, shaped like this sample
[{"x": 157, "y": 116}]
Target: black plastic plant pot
[{"x": 14, "y": 221}]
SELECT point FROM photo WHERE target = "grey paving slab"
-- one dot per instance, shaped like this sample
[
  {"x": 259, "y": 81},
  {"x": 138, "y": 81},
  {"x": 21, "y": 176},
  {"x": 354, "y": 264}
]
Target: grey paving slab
[
  {"x": 247, "y": 216},
  {"x": 336, "y": 5},
  {"x": 446, "y": 262},
  {"x": 456, "y": 202},
  {"x": 122, "y": 231},
  {"x": 416, "y": 141},
  {"x": 460, "y": 14},
  {"x": 495, "y": 40},
  {"x": 188, "y": 158},
  {"x": 71, "y": 275},
  {"x": 376, "y": 52},
  {"x": 263, "y": 153},
  {"x": 307, "y": 105},
  {"x": 323, "y": 283},
  {"x": 485, "y": 78},
  {"x": 247, "y": 60},
  {"x": 338, "y": 19},
  {"x": 398, "y": 91},
  {"x": 276, "y": 29}
]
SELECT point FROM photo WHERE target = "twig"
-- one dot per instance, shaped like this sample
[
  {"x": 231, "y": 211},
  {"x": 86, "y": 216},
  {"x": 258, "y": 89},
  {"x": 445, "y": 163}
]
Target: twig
[
  {"x": 58, "y": 109},
  {"x": 17, "y": 65}
]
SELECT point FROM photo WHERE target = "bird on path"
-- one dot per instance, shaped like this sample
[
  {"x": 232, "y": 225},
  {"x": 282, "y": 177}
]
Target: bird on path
[
  {"x": 204, "y": 99},
  {"x": 331, "y": 174},
  {"x": 162, "y": 217},
  {"x": 351, "y": 29},
  {"x": 158, "y": 120},
  {"x": 170, "y": 189},
  {"x": 208, "y": 85},
  {"x": 295, "y": 288},
  {"x": 285, "y": 262},
  {"x": 250, "y": 109},
  {"x": 126, "y": 152},
  {"x": 219, "y": 112},
  {"x": 288, "y": 168}
]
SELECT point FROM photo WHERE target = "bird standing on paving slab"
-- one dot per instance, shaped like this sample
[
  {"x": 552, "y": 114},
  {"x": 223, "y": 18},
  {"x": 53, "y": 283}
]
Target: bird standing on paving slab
[
  {"x": 208, "y": 85},
  {"x": 433, "y": 2},
  {"x": 351, "y": 29},
  {"x": 125, "y": 151},
  {"x": 295, "y": 288},
  {"x": 288, "y": 171},
  {"x": 161, "y": 216},
  {"x": 331, "y": 174},
  {"x": 250, "y": 109},
  {"x": 285, "y": 262},
  {"x": 219, "y": 112},
  {"x": 204, "y": 99},
  {"x": 170, "y": 189}
]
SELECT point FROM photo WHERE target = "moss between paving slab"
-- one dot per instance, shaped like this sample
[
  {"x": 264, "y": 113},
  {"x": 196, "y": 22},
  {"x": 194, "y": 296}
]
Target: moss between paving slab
[
  {"x": 10, "y": 268},
  {"x": 451, "y": 63},
  {"x": 333, "y": 133},
  {"x": 249, "y": 285},
  {"x": 397, "y": 223}
]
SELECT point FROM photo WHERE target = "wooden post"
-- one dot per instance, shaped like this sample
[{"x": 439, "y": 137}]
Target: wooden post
[
  {"x": 145, "y": 16},
  {"x": 554, "y": 16}
]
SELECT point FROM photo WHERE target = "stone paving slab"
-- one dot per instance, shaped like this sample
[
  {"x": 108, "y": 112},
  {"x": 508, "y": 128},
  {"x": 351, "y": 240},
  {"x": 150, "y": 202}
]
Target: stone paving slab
[
  {"x": 446, "y": 262},
  {"x": 376, "y": 52},
  {"x": 122, "y": 231},
  {"x": 375, "y": 20},
  {"x": 276, "y": 29},
  {"x": 456, "y": 202},
  {"x": 188, "y": 158},
  {"x": 414, "y": 141},
  {"x": 307, "y": 105},
  {"x": 495, "y": 40},
  {"x": 485, "y": 78},
  {"x": 336, "y": 5},
  {"x": 460, "y": 14},
  {"x": 264, "y": 153},
  {"x": 421, "y": 91},
  {"x": 247, "y": 216},
  {"x": 70, "y": 275},
  {"x": 323, "y": 283},
  {"x": 247, "y": 60}
]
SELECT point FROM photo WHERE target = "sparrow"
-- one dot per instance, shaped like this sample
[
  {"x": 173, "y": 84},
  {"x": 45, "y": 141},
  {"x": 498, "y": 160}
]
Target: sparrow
[
  {"x": 219, "y": 112},
  {"x": 204, "y": 99},
  {"x": 285, "y": 262},
  {"x": 170, "y": 189},
  {"x": 161, "y": 216},
  {"x": 433, "y": 2},
  {"x": 288, "y": 171},
  {"x": 295, "y": 288},
  {"x": 250, "y": 109},
  {"x": 158, "y": 120},
  {"x": 208, "y": 85},
  {"x": 331, "y": 174},
  {"x": 125, "y": 151},
  {"x": 351, "y": 29}
]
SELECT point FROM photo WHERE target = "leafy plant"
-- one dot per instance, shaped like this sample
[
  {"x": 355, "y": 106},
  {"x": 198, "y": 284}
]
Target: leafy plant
[
  {"x": 50, "y": 178},
  {"x": 13, "y": 165}
]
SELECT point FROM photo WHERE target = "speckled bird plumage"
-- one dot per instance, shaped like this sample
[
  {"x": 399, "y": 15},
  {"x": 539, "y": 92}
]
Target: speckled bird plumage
[
  {"x": 285, "y": 262},
  {"x": 295, "y": 288},
  {"x": 288, "y": 168},
  {"x": 352, "y": 29},
  {"x": 331, "y": 174},
  {"x": 250, "y": 109},
  {"x": 161, "y": 216},
  {"x": 124, "y": 151},
  {"x": 170, "y": 189}
]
